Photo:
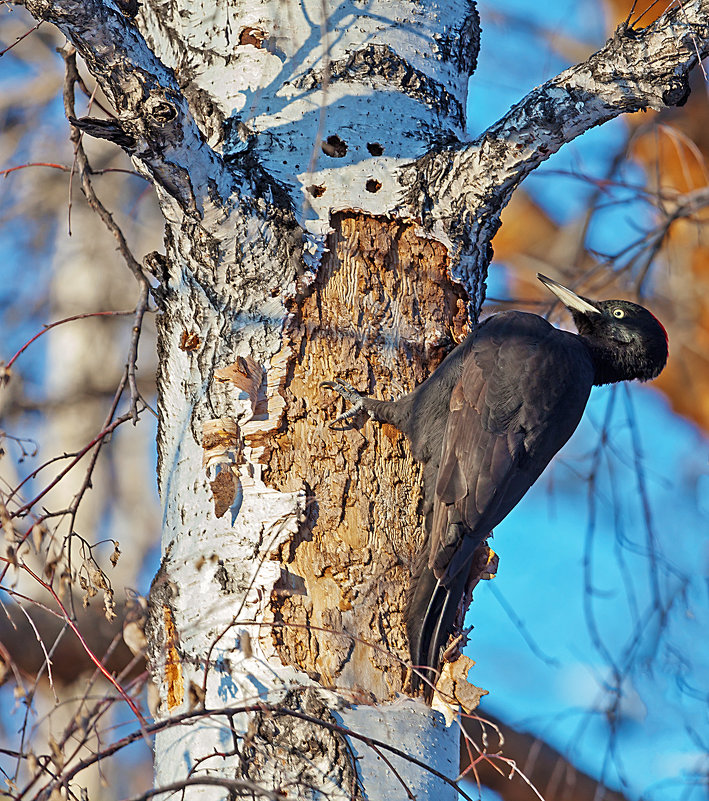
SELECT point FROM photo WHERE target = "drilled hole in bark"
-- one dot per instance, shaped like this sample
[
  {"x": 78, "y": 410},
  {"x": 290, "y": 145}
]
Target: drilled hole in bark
[
  {"x": 334, "y": 146},
  {"x": 375, "y": 148},
  {"x": 316, "y": 191},
  {"x": 252, "y": 36},
  {"x": 373, "y": 185},
  {"x": 163, "y": 112}
]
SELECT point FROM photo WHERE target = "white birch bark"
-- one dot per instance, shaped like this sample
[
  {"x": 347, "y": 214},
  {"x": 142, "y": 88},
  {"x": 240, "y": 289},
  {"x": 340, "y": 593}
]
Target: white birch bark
[{"x": 257, "y": 122}]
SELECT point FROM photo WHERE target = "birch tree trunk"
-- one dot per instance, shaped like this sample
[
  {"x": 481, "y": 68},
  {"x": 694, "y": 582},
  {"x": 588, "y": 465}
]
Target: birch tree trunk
[{"x": 324, "y": 218}]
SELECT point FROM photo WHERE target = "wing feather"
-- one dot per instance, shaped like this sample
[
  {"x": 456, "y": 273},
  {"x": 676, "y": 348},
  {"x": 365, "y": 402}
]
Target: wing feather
[{"x": 522, "y": 391}]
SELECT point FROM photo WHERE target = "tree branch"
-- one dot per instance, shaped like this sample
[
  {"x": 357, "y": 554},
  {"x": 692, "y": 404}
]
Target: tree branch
[
  {"x": 155, "y": 125},
  {"x": 547, "y": 769},
  {"x": 467, "y": 186}
]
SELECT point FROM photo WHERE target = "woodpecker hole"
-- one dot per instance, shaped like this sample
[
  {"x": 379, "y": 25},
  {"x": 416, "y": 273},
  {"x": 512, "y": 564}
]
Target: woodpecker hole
[
  {"x": 252, "y": 36},
  {"x": 375, "y": 148},
  {"x": 316, "y": 191},
  {"x": 163, "y": 112},
  {"x": 373, "y": 185},
  {"x": 334, "y": 146}
]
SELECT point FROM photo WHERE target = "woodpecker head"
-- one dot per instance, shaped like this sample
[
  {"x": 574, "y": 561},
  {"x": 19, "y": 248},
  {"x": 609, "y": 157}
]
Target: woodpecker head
[{"x": 626, "y": 340}]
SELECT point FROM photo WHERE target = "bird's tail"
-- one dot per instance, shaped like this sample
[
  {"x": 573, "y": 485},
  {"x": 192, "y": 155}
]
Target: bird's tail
[{"x": 430, "y": 619}]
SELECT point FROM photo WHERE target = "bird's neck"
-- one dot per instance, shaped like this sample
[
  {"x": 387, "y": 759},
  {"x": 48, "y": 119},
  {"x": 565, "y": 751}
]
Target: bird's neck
[{"x": 610, "y": 363}]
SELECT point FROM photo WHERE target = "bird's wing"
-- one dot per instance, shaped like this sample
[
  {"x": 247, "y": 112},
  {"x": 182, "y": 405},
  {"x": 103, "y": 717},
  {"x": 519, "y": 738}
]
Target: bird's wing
[{"x": 522, "y": 392}]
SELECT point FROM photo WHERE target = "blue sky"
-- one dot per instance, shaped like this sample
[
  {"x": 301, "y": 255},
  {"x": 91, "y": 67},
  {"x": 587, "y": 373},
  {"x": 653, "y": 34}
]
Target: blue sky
[{"x": 534, "y": 639}]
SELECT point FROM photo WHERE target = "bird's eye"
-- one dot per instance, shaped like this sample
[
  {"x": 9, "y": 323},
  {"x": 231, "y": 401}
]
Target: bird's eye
[{"x": 618, "y": 313}]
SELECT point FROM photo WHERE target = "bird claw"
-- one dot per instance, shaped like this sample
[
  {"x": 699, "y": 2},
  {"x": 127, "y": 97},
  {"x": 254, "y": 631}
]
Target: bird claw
[{"x": 350, "y": 394}]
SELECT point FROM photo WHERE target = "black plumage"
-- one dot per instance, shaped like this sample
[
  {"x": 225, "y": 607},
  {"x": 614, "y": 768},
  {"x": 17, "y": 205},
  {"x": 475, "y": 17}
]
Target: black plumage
[{"x": 487, "y": 422}]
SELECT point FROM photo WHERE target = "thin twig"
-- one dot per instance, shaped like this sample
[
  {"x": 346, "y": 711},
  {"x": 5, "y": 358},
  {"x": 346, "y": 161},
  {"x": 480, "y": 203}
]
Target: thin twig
[
  {"x": 49, "y": 326},
  {"x": 131, "y": 364},
  {"x": 98, "y": 438},
  {"x": 72, "y": 77},
  {"x": 20, "y": 38},
  {"x": 65, "y": 168},
  {"x": 235, "y": 786},
  {"x": 84, "y": 645}
]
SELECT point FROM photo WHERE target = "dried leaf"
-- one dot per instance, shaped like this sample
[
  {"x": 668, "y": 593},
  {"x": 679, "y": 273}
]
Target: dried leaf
[
  {"x": 39, "y": 530},
  {"x": 134, "y": 624},
  {"x": 97, "y": 577},
  {"x": 116, "y": 555},
  {"x": 453, "y": 688},
  {"x": 52, "y": 559},
  {"x": 57, "y": 756},
  {"x": 109, "y": 605},
  {"x": 8, "y": 528},
  {"x": 223, "y": 490},
  {"x": 64, "y": 583}
]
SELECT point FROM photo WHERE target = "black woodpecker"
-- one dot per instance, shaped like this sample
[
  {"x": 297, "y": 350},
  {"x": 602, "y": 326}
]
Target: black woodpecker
[{"x": 487, "y": 422}]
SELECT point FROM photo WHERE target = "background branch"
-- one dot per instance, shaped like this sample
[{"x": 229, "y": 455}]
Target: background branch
[
  {"x": 547, "y": 769},
  {"x": 153, "y": 114},
  {"x": 635, "y": 70}
]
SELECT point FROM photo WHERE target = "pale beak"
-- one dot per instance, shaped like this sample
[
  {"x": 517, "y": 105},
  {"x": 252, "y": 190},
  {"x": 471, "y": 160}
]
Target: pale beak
[{"x": 570, "y": 299}]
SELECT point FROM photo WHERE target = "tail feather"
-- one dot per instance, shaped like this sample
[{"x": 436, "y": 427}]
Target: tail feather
[{"x": 430, "y": 620}]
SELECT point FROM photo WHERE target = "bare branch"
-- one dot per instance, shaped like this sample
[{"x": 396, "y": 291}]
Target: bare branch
[
  {"x": 237, "y": 787},
  {"x": 158, "y": 129},
  {"x": 467, "y": 186},
  {"x": 227, "y": 712},
  {"x": 548, "y": 769}
]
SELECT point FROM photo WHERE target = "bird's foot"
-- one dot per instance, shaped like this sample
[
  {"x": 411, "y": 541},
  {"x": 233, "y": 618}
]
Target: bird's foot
[{"x": 350, "y": 394}]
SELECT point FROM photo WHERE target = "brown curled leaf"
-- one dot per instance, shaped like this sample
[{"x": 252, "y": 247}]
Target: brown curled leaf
[{"x": 223, "y": 490}]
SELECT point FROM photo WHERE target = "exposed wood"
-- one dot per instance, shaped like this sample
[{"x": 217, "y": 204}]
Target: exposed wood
[{"x": 381, "y": 314}]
